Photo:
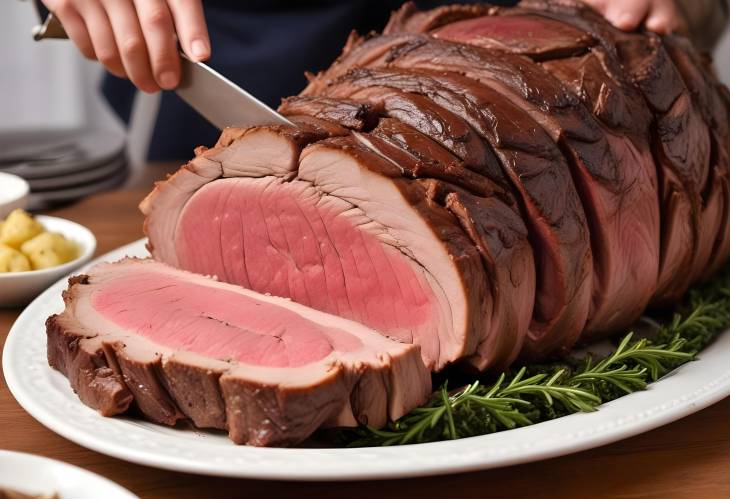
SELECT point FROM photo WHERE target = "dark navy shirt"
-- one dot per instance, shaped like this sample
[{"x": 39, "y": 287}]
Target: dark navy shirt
[{"x": 265, "y": 46}]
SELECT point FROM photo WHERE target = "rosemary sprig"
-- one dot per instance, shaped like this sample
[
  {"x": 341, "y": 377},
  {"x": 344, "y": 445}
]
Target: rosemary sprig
[{"x": 516, "y": 399}]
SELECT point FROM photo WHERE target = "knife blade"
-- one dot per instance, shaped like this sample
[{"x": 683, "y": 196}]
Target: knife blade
[
  {"x": 221, "y": 101},
  {"x": 215, "y": 97}
]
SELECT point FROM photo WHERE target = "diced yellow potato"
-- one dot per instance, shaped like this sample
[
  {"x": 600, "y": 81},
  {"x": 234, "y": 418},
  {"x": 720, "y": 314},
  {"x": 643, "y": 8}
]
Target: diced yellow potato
[
  {"x": 18, "y": 228},
  {"x": 12, "y": 260},
  {"x": 49, "y": 249}
]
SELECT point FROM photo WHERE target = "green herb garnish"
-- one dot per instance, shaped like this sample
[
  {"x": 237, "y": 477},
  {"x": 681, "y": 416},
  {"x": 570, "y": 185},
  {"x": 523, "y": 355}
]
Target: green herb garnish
[{"x": 529, "y": 395}]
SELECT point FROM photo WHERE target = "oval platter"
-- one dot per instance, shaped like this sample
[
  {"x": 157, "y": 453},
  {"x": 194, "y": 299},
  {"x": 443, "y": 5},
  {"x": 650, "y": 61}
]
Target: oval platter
[{"x": 47, "y": 396}]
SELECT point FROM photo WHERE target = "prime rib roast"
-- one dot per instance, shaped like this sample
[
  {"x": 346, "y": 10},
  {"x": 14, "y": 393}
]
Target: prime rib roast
[{"x": 474, "y": 186}]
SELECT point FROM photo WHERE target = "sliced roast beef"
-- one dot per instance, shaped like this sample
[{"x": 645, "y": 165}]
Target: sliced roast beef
[
  {"x": 475, "y": 185},
  {"x": 615, "y": 176},
  {"x": 266, "y": 369},
  {"x": 653, "y": 73},
  {"x": 682, "y": 149},
  {"x": 343, "y": 233},
  {"x": 537, "y": 171}
]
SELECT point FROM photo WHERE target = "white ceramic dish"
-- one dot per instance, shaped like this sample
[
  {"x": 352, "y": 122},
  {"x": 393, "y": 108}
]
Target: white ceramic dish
[
  {"x": 19, "y": 288},
  {"x": 37, "y": 475},
  {"x": 14, "y": 193},
  {"x": 46, "y": 395}
]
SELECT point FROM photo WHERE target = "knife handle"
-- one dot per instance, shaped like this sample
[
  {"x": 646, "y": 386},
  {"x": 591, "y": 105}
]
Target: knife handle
[{"x": 50, "y": 26}]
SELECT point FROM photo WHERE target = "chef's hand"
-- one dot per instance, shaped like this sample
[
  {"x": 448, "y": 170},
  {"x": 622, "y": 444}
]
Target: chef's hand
[
  {"x": 136, "y": 39},
  {"x": 661, "y": 16}
]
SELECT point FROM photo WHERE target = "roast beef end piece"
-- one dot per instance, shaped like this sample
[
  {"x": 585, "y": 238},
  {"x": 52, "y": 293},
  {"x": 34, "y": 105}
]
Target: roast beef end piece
[
  {"x": 348, "y": 236},
  {"x": 268, "y": 370},
  {"x": 250, "y": 152}
]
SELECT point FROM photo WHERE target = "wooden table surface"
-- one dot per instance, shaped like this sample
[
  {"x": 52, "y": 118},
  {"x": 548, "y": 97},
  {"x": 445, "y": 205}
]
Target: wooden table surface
[{"x": 689, "y": 458}]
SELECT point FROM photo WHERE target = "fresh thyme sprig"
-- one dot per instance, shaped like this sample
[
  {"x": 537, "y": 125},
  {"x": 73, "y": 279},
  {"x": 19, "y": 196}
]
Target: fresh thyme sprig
[{"x": 517, "y": 398}]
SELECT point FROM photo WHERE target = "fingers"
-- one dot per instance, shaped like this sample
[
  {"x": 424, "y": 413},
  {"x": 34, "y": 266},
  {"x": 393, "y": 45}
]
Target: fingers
[
  {"x": 159, "y": 34},
  {"x": 627, "y": 14},
  {"x": 131, "y": 43},
  {"x": 665, "y": 17},
  {"x": 102, "y": 37},
  {"x": 136, "y": 38},
  {"x": 661, "y": 16},
  {"x": 74, "y": 25},
  {"x": 191, "y": 28}
]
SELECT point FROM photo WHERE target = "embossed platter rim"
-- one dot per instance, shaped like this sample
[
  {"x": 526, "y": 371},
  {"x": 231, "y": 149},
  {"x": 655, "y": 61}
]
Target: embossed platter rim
[{"x": 46, "y": 395}]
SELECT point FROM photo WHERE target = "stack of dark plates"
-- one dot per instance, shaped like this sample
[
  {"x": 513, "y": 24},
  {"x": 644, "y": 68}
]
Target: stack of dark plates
[{"x": 64, "y": 165}]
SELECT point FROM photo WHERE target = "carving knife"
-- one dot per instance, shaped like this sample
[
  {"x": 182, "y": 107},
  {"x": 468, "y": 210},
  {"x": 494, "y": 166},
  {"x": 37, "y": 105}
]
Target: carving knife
[{"x": 211, "y": 94}]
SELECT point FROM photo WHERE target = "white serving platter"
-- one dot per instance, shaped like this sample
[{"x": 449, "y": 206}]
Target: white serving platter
[{"x": 46, "y": 395}]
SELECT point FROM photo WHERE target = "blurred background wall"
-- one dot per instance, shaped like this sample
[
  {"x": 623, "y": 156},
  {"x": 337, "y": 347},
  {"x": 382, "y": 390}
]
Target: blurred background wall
[{"x": 48, "y": 84}]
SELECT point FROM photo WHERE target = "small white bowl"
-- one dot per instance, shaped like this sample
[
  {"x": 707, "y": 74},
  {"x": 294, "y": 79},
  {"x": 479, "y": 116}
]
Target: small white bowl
[
  {"x": 38, "y": 475},
  {"x": 14, "y": 193},
  {"x": 19, "y": 288}
]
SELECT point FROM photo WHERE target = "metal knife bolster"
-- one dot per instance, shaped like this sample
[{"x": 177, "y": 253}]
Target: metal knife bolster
[{"x": 211, "y": 94}]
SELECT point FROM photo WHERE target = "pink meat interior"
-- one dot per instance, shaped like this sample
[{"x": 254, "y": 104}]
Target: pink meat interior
[
  {"x": 532, "y": 31},
  {"x": 286, "y": 239},
  {"x": 218, "y": 323}
]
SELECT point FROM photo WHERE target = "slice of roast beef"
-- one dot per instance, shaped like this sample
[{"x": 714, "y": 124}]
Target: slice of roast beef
[
  {"x": 357, "y": 52},
  {"x": 343, "y": 233},
  {"x": 706, "y": 94},
  {"x": 722, "y": 152},
  {"x": 322, "y": 128},
  {"x": 267, "y": 370},
  {"x": 420, "y": 157},
  {"x": 540, "y": 38},
  {"x": 494, "y": 226},
  {"x": 537, "y": 171},
  {"x": 501, "y": 237},
  {"x": 598, "y": 80},
  {"x": 409, "y": 19},
  {"x": 349, "y": 114},
  {"x": 707, "y": 104},
  {"x": 432, "y": 120}
]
